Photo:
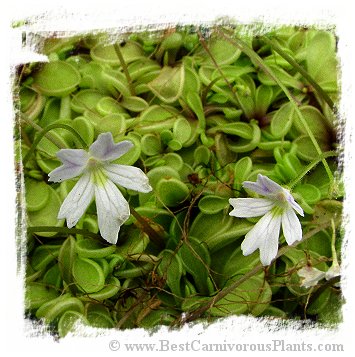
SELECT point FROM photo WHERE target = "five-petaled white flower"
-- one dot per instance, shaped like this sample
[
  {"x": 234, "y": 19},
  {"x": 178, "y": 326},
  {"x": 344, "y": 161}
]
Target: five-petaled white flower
[
  {"x": 97, "y": 180},
  {"x": 277, "y": 208}
]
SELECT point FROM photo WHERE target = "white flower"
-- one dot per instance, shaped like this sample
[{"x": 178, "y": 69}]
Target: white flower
[
  {"x": 277, "y": 208},
  {"x": 310, "y": 276},
  {"x": 98, "y": 176}
]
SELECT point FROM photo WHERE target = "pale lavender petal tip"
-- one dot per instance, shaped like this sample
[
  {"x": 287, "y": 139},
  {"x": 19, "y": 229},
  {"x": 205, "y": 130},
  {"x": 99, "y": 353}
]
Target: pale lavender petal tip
[
  {"x": 263, "y": 186},
  {"x": 295, "y": 205},
  {"x": 74, "y": 162},
  {"x": 105, "y": 149}
]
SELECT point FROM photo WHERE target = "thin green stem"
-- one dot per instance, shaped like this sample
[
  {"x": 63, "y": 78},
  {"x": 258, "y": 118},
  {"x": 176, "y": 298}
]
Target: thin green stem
[
  {"x": 301, "y": 70},
  {"x": 45, "y": 132},
  {"x": 65, "y": 230},
  {"x": 154, "y": 236},
  {"x": 191, "y": 316},
  {"x": 203, "y": 43},
  {"x": 255, "y": 57},
  {"x": 25, "y": 138},
  {"x": 309, "y": 167},
  {"x": 125, "y": 69},
  {"x": 334, "y": 252},
  {"x": 49, "y": 136}
]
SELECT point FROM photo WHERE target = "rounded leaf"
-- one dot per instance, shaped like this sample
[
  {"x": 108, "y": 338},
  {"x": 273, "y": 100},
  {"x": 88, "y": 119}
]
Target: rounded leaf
[
  {"x": 316, "y": 121},
  {"x": 173, "y": 160},
  {"x": 27, "y": 98},
  {"x": 306, "y": 149},
  {"x": 251, "y": 296},
  {"x": 99, "y": 316},
  {"x": 168, "y": 86},
  {"x": 105, "y": 53},
  {"x": 319, "y": 55},
  {"x": 69, "y": 320},
  {"x": 88, "y": 275},
  {"x": 192, "y": 81},
  {"x": 37, "y": 194},
  {"x": 142, "y": 66},
  {"x": 182, "y": 130},
  {"x": 172, "y": 41},
  {"x": 171, "y": 191},
  {"x": 47, "y": 148},
  {"x": 37, "y": 294},
  {"x": 47, "y": 216},
  {"x": 161, "y": 172},
  {"x": 245, "y": 145},
  {"x": 202, "y": 155},
  {"x": 212, "y": 204},
  {"x": 52, "y": 277},
  {"x": 196, "y": 260},
  {"x": 57, "y": 307},
  {"x": 89, "y": 248},
  {"x": 264, "y": 96},
  {"x": 66, "y": 257},
  {"x": 114, "y": 123},
  {"x": 282, "y": 120},
  {"x": 151, "y": 144},
  {"x": 86, "y": 99},
  {"x": 242, "y": 170},
  {"x": 134, "y": 104},
  {"x": 57, "y": 78},
  {"x": 108, "y": 105},
  {"x": 175, "y": 145},
  {"x": 170, "y": 268},
  {"x": 85, "y": 129},
  {"x": 310, "y": 193},
  {"x": 110, "y": 289},
  {"x": 156, "y": 113},
  {"x": 220, "y": 51}
]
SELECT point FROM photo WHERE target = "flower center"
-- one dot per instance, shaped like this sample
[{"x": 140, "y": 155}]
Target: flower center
[
  {"x": 93, "y": 163},
  {"x": 280, "y": 196},
  {"x": 94, "y": 166}
]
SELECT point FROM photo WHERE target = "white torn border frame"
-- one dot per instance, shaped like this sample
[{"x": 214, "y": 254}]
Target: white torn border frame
[{"x": 69, "y": 19}]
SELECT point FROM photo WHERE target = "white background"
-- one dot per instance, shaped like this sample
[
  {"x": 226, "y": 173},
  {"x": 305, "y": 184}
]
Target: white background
[{"x": 85, "y": 15}]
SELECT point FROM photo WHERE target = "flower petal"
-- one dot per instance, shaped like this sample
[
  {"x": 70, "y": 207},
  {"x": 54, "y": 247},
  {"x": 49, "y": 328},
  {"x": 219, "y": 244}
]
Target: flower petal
[
  {"x": 260, "y": 233},
  {"x": 77, "y": 201},
  {"x": 263, "y": 186},
  {"x": 291, "y": 226},
  {"x": 74, "y": 162},
  {"x": 129, "y": 177},
  {"x": 295, "y": 205},
  {"x": 252, "y": 241},
  {"x": 311, "y": 276},
  {"x": 270, "y": 243},
  {"x": 250, "y": 207},
  {"x": 112, "y": 210},
  {"x": 105, "y": 149}
]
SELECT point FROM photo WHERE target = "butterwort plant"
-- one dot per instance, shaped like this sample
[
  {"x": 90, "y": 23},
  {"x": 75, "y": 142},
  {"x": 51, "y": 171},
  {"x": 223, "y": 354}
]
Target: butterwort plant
[
  {"x": 98, "y": 176},
  {"x": 278, "y": 208}
]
